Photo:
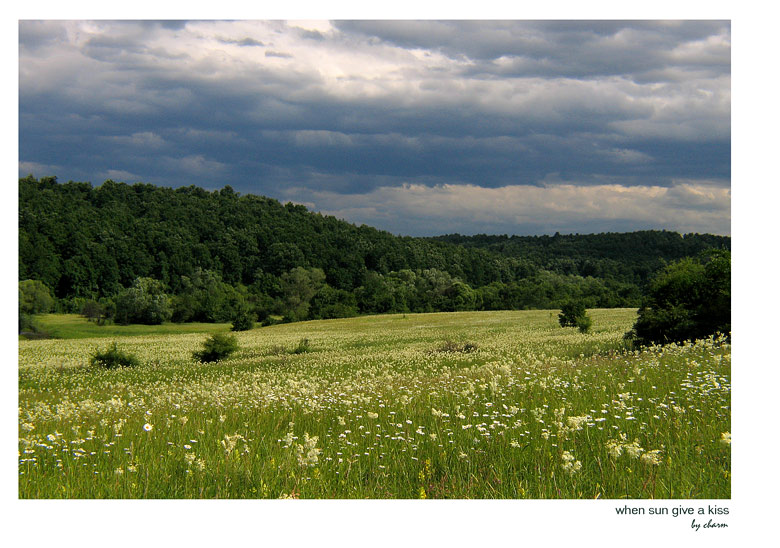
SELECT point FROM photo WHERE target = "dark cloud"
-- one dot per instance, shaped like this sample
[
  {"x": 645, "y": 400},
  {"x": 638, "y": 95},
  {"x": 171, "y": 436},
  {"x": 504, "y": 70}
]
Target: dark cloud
[
  {"x": 370, "y": 105},
  {"x": 554, "y": 48},
  {"x": 242, "y": 42},
  {"x": 271, "y": 53}
]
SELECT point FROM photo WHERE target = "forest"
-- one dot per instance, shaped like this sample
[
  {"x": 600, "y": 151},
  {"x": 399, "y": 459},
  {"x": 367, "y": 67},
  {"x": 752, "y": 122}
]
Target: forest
[{"x": 146, "y": 254}]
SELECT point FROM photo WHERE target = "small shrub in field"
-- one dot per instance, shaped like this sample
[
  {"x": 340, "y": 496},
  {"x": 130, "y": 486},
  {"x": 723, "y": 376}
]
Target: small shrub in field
[
  {"x": 452, "y": 346},
  {"x": 217, "y": 347},
  {"x": 573, "y": 314},
  {"x": 303, "y": 346},
  {"x": 276, "y": 350},
  {"x": 584, "y": 323},
  {"x": 112, "y": 358},
  {"x": 243, "y": 321},
  {"x": 570, "y": 313}
]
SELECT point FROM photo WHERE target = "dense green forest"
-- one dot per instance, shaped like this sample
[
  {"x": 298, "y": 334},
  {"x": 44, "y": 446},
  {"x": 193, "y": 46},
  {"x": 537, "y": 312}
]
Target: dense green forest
[{"x": 142, "y": 253}]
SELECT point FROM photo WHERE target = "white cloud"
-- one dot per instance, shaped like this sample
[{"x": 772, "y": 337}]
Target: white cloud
[
  {"x": 195, "y": 165},
  {"x": 121, "y": 176},
  {"x": 38, "y": 169},
  {"x": 141, "y": 139},
  {"x": 414, "y": 209}
]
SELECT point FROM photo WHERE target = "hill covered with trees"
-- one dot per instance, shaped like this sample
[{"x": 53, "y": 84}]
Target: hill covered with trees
[{"x": 208, "y": 256}]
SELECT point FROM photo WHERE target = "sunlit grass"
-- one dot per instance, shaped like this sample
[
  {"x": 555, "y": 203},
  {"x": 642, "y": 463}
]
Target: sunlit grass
[
  {"x": 74, "y": 326},
  {"x": 381, "y": 407}
]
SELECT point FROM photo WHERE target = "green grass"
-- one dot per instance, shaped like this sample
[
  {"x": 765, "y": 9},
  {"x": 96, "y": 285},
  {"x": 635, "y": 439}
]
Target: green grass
[
  {"x": 73, "y": 326},
  {"x": 374, "y": 408}
]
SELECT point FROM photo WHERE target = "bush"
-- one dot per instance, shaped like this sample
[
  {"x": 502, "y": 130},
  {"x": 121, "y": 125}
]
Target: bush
[
  {"x": 451, "y": 346},
  {"x": 303, "y": 347},
  {"x": 687, "y": 300},
  {"x": 217, "y": 347},
  {"x": 583, "y": 323},
  {"x": 112, "y": 358},
  {"x": 573, "y": 314},
  {"x": 243, "y": 320}
]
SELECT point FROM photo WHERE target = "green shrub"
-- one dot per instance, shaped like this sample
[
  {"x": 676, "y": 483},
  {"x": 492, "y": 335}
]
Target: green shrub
[
  {"x": 303, "y": 346},
  {"x": 217, "y": 347},
  {"x": 571, "y": 312},
  {"x": 687, "y": 300},
  {"x": 112, "y": 358},
  {"x": 243, "y": 320},
  {"x": 452, "y": 346},
  {"x": 583, "y": 323}
]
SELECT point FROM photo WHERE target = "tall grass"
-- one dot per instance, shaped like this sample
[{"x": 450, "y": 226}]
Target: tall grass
[{"x": 377, "y": 410}]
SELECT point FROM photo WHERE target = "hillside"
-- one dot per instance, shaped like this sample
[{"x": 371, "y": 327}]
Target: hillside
[
  {"x": 86, "y": 242},
  {"x": 631, "y": 257}
]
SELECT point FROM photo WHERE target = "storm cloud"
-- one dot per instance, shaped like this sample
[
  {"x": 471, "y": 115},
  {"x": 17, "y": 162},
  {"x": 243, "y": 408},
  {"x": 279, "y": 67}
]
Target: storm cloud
[{"x": 418, "y": 127}]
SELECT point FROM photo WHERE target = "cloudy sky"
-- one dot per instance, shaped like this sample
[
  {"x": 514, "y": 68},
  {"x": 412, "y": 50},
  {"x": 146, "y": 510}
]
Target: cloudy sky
[{"x": 416, "y": 127}]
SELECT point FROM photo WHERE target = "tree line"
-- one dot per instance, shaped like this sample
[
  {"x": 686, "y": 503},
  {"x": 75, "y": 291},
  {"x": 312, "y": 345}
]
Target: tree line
[{"x": 141, "y": 253}]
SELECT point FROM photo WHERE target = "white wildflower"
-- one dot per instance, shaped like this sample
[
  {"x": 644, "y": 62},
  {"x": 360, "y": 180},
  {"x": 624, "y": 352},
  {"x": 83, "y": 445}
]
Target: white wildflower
[
  {"x": 652, "y": 458},
  {"x": 570, "y": 465}
]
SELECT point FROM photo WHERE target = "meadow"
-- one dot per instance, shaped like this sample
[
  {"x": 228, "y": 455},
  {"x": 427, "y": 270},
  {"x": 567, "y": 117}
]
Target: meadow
[{"x": 448, "y": 405}]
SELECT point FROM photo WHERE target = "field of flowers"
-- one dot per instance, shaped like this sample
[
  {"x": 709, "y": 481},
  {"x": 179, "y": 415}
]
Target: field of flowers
[{"x": 449, "y": 405}]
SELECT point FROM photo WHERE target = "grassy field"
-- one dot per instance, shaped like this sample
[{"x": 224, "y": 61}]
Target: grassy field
[
  {"x": 75, "y": 326},
  {"x": 449, "y": 405}
]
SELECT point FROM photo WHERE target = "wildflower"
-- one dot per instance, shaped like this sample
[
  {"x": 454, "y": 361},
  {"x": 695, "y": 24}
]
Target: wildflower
[
  {"x": 652, "y": 458},
  {"x": 614, "y": 448},
  {"x": 576, "y": 423},
  {"x": 229, "y": 443},
  {"x": 288, "y": 439},
  {"x": 148, "y": 427},
  {"x": 570, "y": 465},
  {"x": 725, "y": 439},
  {"x": 372, "y": 415},
  {"x": 308, "y": 453},
  {"x": 633, "y": 449}
]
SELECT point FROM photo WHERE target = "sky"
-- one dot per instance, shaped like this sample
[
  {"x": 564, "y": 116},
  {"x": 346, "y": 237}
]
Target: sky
[{"x": 418, "y": 127}]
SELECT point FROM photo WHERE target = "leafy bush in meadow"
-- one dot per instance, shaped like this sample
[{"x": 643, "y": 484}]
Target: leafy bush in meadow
[
  {"x": 573, "y": 314},
  {"x": 112, "y": 358},
  {"x": 303, "y": 347},
  {"x": 243, "y": 320},
  {"x": 217, "y": 347},
  {"x": 453, "y": 346},
  {"x": 688, "y": 300}
]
